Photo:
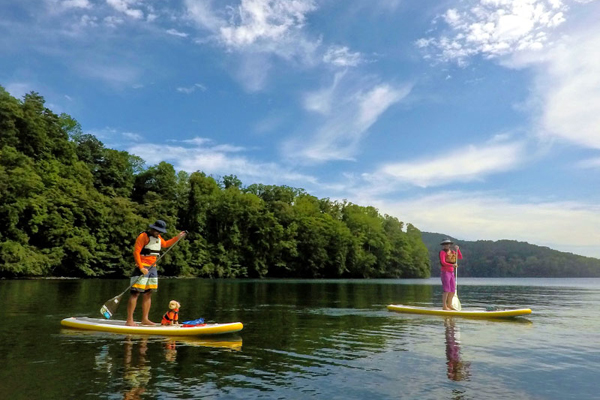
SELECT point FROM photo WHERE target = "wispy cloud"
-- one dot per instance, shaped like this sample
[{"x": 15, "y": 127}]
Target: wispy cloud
[
  {"x": 132, "y": 136},
  {"x": 322, "y": 100},
  {"x": 127, "y": 7},
  {"x": 191, "y": 89},
  {"x": 84, "y": 4},
  {"x": 175, "y": 32},
  {"x": 469, "y": 164},
  {"x": 257, "y": 30},
  {"x": 341, "y": 56},
  {"x": 201, "y": 154},
  {"x": 348, "y": 114}
]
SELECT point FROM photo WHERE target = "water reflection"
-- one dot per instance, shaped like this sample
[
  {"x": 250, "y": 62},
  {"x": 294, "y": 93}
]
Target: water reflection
[
  {"x": 136, "y": 369},
  {"x": 458, "y": 370}
]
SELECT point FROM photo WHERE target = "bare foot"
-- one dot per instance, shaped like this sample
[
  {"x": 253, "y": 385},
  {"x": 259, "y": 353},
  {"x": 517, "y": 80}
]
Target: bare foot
[
  {"x": 148, "y": 323},
  {"x": 130, "y": 323},
  {"x": 446, "y": 309}
]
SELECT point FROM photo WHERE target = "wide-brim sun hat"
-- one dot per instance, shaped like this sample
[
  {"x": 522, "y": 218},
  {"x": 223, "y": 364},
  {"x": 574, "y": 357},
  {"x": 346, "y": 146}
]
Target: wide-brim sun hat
[
  {"x": 159, "y": 225},
  {"x": 446, "y": 241}
]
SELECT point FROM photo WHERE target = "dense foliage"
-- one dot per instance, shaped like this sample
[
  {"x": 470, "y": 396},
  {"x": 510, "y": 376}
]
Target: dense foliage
[
  {"x": 509, "y": 258},
  {"x": 69, "y": 206}
]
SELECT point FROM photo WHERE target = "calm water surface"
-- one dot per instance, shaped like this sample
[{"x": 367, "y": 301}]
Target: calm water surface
[{"x": 306, "y": 339}]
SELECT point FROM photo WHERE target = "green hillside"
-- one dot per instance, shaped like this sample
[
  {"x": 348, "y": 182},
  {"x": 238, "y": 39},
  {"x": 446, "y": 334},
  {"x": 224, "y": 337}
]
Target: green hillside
[{"x": 510, "y": 258}]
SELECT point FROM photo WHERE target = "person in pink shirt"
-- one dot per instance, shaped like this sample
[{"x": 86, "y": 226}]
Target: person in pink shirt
[{"x": 448, "y": 261}]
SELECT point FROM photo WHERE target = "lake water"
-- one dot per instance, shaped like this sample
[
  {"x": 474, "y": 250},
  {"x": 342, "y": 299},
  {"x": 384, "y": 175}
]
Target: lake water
[{"x": 306, "y": 340}]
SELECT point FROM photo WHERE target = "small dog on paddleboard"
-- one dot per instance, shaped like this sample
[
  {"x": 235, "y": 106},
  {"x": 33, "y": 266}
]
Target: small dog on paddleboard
[{"x": 171, "y": 317}]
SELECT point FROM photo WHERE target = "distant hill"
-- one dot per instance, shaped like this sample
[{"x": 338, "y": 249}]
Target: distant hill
[{"x": 510, "y": 258}]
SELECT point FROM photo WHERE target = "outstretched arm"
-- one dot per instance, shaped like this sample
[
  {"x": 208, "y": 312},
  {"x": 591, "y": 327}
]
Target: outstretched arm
[{"x": 172, "y": 241}]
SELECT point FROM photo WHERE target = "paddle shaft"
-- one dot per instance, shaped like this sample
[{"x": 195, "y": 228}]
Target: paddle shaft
[{"x": 455, "y": 300}]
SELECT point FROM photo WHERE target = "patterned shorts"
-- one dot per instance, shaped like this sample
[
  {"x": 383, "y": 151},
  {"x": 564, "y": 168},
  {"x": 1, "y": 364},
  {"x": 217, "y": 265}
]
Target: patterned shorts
[{"x": 145, "y": 283}]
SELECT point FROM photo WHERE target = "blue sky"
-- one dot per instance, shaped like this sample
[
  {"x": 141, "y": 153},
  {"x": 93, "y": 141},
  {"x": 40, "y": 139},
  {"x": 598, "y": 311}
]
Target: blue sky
[{"x": 475, "y": 118}]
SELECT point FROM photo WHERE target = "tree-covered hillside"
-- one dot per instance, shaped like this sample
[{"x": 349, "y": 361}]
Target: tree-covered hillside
[
  {"x": 69, "y": 206},
  {"x": 509, "y": 258}
]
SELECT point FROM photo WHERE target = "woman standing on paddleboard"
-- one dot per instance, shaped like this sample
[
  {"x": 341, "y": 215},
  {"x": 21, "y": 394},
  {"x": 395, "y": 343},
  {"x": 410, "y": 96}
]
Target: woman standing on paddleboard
[
  {"x": 145, "y": 251},
  {"x": 448, "y": 259}
]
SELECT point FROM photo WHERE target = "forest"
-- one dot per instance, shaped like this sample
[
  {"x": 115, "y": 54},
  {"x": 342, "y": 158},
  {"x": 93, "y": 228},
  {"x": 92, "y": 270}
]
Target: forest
[
  {"x": 511, "y": 259},
  {"x": 71, "y": 207}
]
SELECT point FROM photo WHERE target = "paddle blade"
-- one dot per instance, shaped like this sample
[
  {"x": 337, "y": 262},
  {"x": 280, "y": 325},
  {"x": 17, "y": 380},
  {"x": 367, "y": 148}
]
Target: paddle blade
[
  {"x": 456, "y": 303},
  {"x": 110, "y": 307}
]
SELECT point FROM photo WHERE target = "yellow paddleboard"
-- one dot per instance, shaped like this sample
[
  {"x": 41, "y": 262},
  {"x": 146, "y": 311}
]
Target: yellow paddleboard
[
  {"x": 474, "y": 313},
  {"x": 115, "y": 326}
]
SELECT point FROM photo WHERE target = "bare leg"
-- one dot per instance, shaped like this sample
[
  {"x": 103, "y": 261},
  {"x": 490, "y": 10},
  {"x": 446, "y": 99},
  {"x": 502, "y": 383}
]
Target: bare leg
[
  {"x": 131, "y": 308},
  {"x": 445, "y": 301},
  {"x": 146, "y": 303}
]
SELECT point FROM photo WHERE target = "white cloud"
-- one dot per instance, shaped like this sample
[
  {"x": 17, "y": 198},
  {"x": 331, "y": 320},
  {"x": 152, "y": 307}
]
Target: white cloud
[
  {"x": 85, "y": 4},
  {"x": 125, "y": 7},
  {"x": 565, "y": 101},
  {"x": 469, "y": 164},
  {"x": 264, "y": 20},
  {"x": 198, "y": 141},
  {"x": 175, "y": 32},
  {"x": 349, "y": 113},
  {"x": 202, "y": 155},
  {"x": 257, "y": 30},
  {"x": 494, "y": 28},
  {"x": 132, "y": 136},
  {"x": 113, "y": 21},
  {"x": 59, "y": 6},
  {"x": 191, "y": 89},
  {"x": 269, "y": 24},
  {"x": 569, "y": 87},
  {"x": 566, "y": 226},
  {"x": 341, "y": 56}
]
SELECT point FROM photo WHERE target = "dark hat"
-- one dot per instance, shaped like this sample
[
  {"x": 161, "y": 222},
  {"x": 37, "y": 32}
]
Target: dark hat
[
  {"x": 447, "y": 241},
  {"x": 159, "y": 225}
]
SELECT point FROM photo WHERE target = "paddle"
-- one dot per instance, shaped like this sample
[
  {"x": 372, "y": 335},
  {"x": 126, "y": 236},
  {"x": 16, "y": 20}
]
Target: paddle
[
  {"x": 110, "y": 307},
  {"x": 455, "y": 301}
]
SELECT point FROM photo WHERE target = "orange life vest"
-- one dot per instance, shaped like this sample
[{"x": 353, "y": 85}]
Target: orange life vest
[{"x": 171, "y": 315}]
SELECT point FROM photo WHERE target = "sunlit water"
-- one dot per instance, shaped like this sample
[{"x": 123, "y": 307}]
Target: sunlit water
[{"x": 307, "y": 339}]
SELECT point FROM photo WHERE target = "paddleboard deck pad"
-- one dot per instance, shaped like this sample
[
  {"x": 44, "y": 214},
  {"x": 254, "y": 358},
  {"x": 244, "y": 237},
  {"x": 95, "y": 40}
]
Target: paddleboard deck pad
[
  {"x": 116, "y": 326},
  {"x": 472, "y": 313}
]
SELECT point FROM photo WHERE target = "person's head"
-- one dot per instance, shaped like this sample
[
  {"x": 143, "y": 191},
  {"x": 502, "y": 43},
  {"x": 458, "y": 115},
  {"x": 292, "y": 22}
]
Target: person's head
[
  {"x": 159, "y": 226},
  {"x": 446, "y": 243}
]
